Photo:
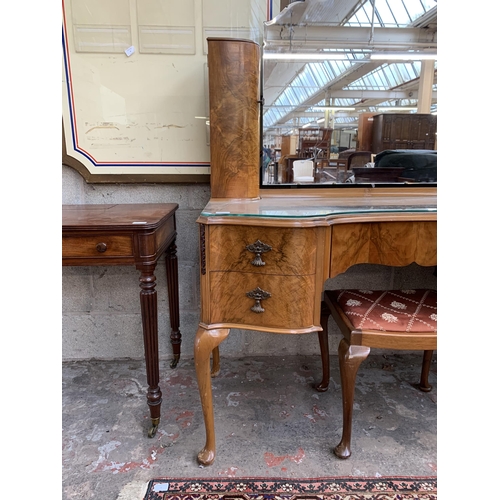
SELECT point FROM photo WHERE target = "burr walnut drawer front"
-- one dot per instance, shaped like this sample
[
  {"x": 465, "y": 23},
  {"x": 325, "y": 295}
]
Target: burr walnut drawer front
[
  {"x": 262, "y": 299},
  {"x": 97, "y": 246},
  {"x": 264, "y": 250}
]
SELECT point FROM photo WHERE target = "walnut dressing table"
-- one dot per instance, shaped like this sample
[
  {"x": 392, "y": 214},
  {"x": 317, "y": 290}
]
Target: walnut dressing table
[
  {"x": 265, "y": 254},
  {"x": 138, "y": 234}
]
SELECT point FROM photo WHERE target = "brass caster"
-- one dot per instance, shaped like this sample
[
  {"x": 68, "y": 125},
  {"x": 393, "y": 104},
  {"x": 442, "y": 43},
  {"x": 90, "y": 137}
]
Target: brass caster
[
  {"x": 154, "y": 427},
  {"x": 174, "y": 362},
  {"x": 423, "y": 388}
]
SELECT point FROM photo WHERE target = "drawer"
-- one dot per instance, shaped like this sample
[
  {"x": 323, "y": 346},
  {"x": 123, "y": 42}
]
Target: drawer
[
  {"x": 274, "y": 251},
  {"x": 101, "y": 246},
  {"x": 391, "y": 243},
  {"x": 291, "y": 303}
]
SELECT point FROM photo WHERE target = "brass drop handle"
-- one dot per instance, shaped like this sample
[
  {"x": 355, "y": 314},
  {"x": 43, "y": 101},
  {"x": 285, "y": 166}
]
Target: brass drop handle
[
  {"x": 258, "y": 295},
  {"x": 101, "y": 247},
  {"x": 258, "y": 248}
]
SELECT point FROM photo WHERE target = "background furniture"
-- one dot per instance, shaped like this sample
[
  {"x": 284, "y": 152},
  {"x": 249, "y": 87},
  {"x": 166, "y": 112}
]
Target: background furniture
[
  {"x": 365, "y": 131},
  {"x": 303, "y": 171},
  {"x": 403, "y": 131},
  {"x": 340, "y": 168},
  {"x": 315, "y": 142},
  {"x": 289, "y": 144},
  {"x": 358, "y": 159},
  {"x": 285, "y": 168},
  {"x": 419, "y": 165},
  {"x": 393, "y": 319},
  {"x": 376, "y": 174},
  {"x": 138, "y": 234}
]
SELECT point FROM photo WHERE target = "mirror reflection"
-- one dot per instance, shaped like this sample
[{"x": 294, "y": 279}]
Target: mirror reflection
[{"x": 345, "y": 101}]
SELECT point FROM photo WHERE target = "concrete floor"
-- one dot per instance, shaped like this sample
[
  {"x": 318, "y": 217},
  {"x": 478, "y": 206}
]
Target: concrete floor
[{"x": 269, "y": 420}]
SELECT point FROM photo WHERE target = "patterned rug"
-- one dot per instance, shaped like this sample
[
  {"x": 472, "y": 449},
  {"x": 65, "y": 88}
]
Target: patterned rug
[{"x": 334, "y": 488}]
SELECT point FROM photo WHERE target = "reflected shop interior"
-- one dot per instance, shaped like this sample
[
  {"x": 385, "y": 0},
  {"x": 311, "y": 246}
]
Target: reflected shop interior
[{"x": 336, "y": 115}]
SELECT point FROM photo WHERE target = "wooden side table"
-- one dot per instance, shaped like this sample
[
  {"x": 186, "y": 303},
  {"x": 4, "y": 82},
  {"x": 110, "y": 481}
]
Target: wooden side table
[{"x": 138, "y": 234}]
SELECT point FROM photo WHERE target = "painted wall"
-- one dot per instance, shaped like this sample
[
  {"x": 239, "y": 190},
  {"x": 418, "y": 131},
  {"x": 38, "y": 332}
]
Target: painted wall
[{"x": 134, "y": 80}]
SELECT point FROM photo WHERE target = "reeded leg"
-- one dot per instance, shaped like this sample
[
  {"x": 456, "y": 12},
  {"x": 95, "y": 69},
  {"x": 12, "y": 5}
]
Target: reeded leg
[
  {"x": 205, "y": 343},
  {"x": 215, "y": 362},
  {"x": 324, "y": 349},
  {"x": 149, "y": 312},
  {"x": 173, "y": 301},
  {"x": 424, "y": 376},
  {"x": 350, "y": 358}
]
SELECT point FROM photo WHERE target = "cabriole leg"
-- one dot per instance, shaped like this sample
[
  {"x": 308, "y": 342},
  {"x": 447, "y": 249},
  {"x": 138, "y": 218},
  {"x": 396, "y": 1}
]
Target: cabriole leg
[
  {"x": 424, "y": 376},
  {"x": 350, "y": 358},
  {"x": 205, "y": 343}
]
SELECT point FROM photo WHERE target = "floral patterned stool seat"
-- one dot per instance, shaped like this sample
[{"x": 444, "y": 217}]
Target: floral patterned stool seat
[{"x": 388, "y": 319}]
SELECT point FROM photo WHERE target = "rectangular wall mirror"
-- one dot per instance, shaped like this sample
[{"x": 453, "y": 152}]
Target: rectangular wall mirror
[{"x": 349, "y": 97}]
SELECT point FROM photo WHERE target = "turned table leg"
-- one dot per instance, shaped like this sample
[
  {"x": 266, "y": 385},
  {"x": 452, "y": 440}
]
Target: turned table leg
[
  {"x": 149, "y": 310},
  {"x": 173, "y": 301},
  {"x": 205, "y": 342},
  {"x": 350, "y": 357}
]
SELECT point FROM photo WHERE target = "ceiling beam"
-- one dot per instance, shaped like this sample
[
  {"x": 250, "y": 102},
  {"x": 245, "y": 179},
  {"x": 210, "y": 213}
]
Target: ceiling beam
[
  {"x": 324, "y": 11},
  {"x": 348, "y": 37},
  {"x": 375, "y": 94}
]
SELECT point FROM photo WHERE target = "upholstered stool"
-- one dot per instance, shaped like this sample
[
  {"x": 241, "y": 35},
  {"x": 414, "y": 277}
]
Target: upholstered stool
[{"x": 388, "y": 319}]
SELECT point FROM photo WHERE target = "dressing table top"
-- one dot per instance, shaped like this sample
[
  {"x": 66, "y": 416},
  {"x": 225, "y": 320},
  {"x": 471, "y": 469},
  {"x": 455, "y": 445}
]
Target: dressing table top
[{"x": 302, "y": 205}]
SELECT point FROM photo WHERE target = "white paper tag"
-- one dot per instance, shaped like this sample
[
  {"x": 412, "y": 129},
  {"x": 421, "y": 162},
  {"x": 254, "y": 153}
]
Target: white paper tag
[{"x": 130, "y": 51}]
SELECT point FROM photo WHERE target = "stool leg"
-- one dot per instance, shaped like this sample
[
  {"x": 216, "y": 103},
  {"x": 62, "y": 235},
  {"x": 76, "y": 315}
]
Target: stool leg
[
  {"x": 324, "y": 349},
  {"x": 350, "y": 357},
  {"x": 424, "y": 376}
]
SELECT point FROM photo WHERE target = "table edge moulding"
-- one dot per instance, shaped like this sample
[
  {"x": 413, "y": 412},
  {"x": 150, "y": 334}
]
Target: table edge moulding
[
  {"x": 265, "y": 254},
  {"x": 131, "y": 234}
]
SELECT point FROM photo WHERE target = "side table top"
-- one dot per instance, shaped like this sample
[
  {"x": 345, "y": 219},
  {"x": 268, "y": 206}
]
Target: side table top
[{"x": 133, "y": 215}]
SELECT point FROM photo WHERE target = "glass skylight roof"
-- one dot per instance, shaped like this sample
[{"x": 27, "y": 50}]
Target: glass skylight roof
[
  {"x": 388, "y": 76},
  {"x": 315, "y": 76},
  {"x": 390, "y": 13}
]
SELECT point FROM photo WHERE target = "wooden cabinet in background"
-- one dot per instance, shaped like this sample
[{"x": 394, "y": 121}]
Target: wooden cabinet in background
[
  {"x": 402, "y": 131},
  {"x": 365, "y": 131},
  {"x": 289, "y": 145}
]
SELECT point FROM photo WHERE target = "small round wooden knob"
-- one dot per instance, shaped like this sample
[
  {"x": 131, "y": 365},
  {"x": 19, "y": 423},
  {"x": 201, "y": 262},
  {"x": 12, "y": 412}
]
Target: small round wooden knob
[{"x": 101, "y": 247}]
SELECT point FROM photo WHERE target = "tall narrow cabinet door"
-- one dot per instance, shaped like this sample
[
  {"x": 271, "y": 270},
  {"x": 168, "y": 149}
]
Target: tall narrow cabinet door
[
  {"x": 401, "y": 131},
  {"x": 424, "y": 132},
  {"x": 233, "y": 80}
]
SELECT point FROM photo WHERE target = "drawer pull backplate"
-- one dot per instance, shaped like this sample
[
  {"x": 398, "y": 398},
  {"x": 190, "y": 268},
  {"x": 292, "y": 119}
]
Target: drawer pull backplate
[
  {"x": 258, "y": 248},
  {"x": 258, "y": 295}
]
